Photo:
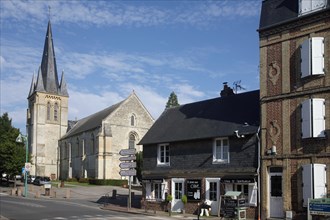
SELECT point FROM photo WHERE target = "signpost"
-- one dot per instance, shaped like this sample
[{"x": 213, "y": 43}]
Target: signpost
[{"x": 128, "y": 168}]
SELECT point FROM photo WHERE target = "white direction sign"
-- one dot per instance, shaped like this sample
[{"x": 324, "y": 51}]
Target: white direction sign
[
  {"x": 126, "y": 165},
  {"x": 128, "y": 172},
  {"x": 127, "y": 152},
  {"x": 127, "y": 158}
]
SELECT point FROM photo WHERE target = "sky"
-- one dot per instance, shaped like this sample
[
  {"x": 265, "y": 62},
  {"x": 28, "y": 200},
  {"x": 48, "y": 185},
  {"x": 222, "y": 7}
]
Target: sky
[{"x": 108, "y": 49}]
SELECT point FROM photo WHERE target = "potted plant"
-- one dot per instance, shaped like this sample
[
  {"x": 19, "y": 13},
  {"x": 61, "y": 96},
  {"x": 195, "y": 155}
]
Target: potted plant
[
  {"x": 184, "y": 200},
  {"x": 169, "y": 198}
]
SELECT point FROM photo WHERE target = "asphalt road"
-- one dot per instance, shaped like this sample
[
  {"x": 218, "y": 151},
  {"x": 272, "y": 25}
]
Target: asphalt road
[{"x": 20, "y": 208}]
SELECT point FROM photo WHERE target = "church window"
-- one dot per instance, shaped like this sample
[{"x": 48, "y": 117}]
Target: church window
[
  {"x": 133, "y": 120},
  {"x": 48, "y": 111},
  {"x": 92, "y": 144},
  {"x": 131, "y": 144},
  {"x": 56, "y": 112}
]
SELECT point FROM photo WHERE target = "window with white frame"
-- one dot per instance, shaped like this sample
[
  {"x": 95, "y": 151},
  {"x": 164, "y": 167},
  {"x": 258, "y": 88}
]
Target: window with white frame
[
  {"x": 155, "y": 191},
  {"x": 313, "y": 118},
  {"x": 163, "y": 157},
  {"x": 250, "y": 191},
  {"x": 221, "y": 150},
  {"x": 243, "y": 188},
  {"x": 309, "y": 6},
  {"x": 312, "y": 57}
]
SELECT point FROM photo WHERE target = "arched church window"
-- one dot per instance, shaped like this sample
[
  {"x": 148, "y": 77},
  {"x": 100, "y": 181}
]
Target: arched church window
[
  {"x": 55, "y": 111},
  {"x": 48, "y": 111},
  {"x": 131, "y": 142},
  {"x": 92, "y": 144},
  {"x": 132, "y": 120}
]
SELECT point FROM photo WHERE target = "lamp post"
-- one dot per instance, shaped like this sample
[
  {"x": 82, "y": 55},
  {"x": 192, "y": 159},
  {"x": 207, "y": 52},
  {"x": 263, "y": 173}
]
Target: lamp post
[{"x": 20, "y": 139}]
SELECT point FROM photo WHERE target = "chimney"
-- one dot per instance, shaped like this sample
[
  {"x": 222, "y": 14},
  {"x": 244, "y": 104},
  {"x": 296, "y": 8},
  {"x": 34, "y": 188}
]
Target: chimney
[{"x": 227, "y": 91}]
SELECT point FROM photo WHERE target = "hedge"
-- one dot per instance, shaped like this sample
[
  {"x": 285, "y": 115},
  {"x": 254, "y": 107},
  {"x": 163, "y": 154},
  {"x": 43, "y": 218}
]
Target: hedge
[{"x": 111, "y": 182}]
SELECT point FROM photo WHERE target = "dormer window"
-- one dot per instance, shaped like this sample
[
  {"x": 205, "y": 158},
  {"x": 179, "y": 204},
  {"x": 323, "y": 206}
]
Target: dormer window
[
  {"x": 309, "y": 6},
  {"x": 221, "y": 150},
  {"x": 313, "y": 118},
  {"x": 312, "y": 57}
]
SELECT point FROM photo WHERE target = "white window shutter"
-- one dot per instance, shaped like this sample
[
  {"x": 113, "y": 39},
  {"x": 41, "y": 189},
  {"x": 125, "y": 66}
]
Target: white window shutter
[
  {"x": 305, "y": 66},
  {"x": 317, "y": 57},
  {"x": 253, "y": 192},
  {"x": 318, "y": 4},
  {"x": 148, "y": 191},
  {"x": 305, "y": 6},
  {"x": 320, "y": 181},
  {"x": 164, "y": 190},
  {"x": 307, "y": 183},
  {"x": 318, "y": 117},
  {"x": 306, "y": 119}
]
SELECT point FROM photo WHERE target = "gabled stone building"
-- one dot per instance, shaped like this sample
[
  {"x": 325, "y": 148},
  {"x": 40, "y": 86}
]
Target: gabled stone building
[
  {"x": 295, "y": 105},
  {"x": 90, "y": 149},
  {"x": 47, "y": 113}
]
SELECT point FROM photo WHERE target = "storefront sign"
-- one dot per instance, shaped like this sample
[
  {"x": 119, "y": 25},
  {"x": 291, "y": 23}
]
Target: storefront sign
[
  {"x": 239, "y": 180},
  {"x": 194, "y": 190}
]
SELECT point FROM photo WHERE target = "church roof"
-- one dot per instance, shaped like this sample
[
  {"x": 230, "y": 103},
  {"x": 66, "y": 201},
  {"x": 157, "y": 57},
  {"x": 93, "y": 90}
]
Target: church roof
[
  {"x": 218, "y": 117},
  {"x": 91, "y": 122}
]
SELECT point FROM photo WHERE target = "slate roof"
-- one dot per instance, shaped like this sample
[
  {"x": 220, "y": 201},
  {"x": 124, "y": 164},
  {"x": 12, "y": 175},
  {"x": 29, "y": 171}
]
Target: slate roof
[
  {"x": 91, "y": 122},
  {"x": 218, "y": 117},
  {"x": 275, "y": 12}
]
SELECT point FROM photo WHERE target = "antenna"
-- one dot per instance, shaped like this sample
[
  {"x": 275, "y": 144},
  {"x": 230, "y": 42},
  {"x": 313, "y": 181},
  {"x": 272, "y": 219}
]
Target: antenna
[{"x": 237, "y": 85}]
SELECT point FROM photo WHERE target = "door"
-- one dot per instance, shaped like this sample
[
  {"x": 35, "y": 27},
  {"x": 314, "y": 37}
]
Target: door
[
  {"x": 212, "y": 193},
  {"x": 275, "y": 193},
  {"x": 177, "y": 193}
]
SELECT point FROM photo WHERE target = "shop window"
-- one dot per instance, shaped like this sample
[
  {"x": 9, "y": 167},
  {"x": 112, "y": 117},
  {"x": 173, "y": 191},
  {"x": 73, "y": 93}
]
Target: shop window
[
  {"x": 312, "y": 57},
  {"x": 221, "y": 150},
  {"x": 178, "y": 190},
  {"x": 313, "y": 118},
  {"x": 155, "y": 191},
  {"x": 250, "y": 191},
  {"x": 309, "y": 6},
  {"x": 244, "y": 188},
  {"x": 163, "y": 157}
]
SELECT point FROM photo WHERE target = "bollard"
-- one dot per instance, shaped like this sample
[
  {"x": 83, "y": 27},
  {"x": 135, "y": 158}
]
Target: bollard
[
  {"x": 132, "y": 195},
  {"x": 114, "y": 194},
  {"x": 37, "y": 194},
  {"x": 19, "y": 192},
  {"x": 67, "y": 194},
  {"x": 13, "y": 192}
]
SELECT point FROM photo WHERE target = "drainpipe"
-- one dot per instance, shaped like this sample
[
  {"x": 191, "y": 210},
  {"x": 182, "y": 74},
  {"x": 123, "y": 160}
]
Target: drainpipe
[{"x": 258, "y": 173}]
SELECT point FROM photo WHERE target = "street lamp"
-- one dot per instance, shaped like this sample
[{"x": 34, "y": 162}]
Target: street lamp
[{"x": 20, "y": 139}]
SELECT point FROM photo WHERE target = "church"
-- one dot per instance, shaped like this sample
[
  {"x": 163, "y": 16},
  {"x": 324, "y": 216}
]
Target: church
[{"x": 86, "y": 148}]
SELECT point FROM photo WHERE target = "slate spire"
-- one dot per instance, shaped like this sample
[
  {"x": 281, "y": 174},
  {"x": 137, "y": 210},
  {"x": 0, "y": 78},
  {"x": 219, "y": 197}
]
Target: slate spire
[
  {"x": 48, "y": 64},
  {"x": 63, "y": 87}
]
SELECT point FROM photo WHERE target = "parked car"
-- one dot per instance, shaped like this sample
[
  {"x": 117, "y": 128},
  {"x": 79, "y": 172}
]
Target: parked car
[
  {"x": 41, "y": 180},
  {"x": 31, "y": 178}
]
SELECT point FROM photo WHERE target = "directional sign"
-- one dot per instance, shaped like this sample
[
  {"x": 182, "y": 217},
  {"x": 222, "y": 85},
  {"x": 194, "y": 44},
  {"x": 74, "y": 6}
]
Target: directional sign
[
  {"x": 128, "y": 172},
  {"x": 127, "y": 152},
  {"x": 27, "y": 167},
  {"x": 126, "y": 165},
  {"x": 127, "y": 158}
]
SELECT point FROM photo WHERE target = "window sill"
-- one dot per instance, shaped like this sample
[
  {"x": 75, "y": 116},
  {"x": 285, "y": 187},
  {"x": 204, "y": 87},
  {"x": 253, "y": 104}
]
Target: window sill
[
  {"x": 220, "y": 162},
  {"x": 163, "y": 165}
]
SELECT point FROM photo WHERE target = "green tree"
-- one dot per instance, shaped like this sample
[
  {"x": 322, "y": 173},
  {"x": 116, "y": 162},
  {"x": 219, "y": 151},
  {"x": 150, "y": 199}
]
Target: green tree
[
  {"x": 12, "y": 154},
  {"x": 172, "y": 101},
  {"x": 139, "y": 164}
]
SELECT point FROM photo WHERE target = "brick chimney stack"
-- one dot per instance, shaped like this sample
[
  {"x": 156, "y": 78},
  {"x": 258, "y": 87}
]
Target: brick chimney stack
[{"x": 227, "y": 91}]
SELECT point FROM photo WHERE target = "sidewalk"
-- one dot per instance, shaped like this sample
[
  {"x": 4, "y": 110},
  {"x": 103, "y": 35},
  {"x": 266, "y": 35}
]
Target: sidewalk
[{"x": 105, "y": 197}]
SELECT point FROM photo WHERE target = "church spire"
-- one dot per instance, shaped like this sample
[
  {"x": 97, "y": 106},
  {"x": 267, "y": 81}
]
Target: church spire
[
  {"x": 48, "y": 64},
  {"x": 63, "y": 87}
]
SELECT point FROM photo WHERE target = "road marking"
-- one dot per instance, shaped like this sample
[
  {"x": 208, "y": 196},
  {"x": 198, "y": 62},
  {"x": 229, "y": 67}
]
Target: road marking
[{"x": 25, "y": 204}]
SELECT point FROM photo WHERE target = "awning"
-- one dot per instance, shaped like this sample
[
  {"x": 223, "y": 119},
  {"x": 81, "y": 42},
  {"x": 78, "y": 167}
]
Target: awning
[{"x": 238, "y": 179}]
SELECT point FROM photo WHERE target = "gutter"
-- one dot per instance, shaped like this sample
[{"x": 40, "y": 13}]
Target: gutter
[{"x": 258, "y": 173}]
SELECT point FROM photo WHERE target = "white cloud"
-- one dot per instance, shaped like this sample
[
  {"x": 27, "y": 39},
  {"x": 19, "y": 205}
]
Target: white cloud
[{"x": 112, "y": 13}]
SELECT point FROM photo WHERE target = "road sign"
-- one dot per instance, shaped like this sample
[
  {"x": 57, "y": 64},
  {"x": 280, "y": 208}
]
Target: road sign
[
  {"x": 126, "y": 165},
  {"x": 127, "y": 158},
  {"x": 27, "y": 167},
  {"x": 131, "y": 172},
  {"x": 127, "y": 152}
]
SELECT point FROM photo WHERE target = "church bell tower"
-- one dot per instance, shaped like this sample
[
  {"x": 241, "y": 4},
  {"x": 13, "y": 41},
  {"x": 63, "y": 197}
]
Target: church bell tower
[{"x": 47, "y": 113}]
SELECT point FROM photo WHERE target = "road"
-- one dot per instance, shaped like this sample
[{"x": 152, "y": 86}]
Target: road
[{"x": 20, "y": 208}]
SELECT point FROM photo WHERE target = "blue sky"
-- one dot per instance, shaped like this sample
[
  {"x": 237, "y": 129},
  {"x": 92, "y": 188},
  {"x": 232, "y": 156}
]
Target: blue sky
[{"x": 107, "y": 49}]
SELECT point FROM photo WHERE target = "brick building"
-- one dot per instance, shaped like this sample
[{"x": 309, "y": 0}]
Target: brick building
[{"x": 295, "y": 105}]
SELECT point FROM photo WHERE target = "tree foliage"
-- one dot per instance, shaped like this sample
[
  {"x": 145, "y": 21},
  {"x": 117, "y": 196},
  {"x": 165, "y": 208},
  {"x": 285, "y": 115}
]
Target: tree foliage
[
  {"x": 172, "y": 101},
  {"x": 12, "y": 154}
]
